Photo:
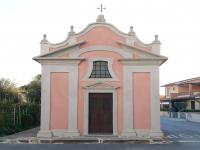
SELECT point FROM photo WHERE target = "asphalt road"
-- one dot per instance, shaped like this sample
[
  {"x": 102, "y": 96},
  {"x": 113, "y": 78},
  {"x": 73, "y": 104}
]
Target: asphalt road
[
  {"x": 182, "y": 135},
  {"x": 181, "y": 131}
]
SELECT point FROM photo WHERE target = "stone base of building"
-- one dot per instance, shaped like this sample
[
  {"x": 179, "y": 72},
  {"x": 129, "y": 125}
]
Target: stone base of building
[
  {"x": 44, "y": 134},
  {"x": 57, "y": 133},
  {"x": 129, "y": 133},
  {"x": 149, "y": 133},
  {"x": 137, "y": 133},
  {"x": 156, "y": 134}
]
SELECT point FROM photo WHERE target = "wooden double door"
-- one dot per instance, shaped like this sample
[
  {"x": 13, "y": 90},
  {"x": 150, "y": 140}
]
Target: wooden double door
[{"x": 100, "y": 113}]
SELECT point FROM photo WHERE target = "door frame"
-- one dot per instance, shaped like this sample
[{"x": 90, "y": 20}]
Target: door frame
[{"x": 86, "y": 108}]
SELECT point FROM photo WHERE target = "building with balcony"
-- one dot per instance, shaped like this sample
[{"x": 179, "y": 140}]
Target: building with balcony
[{"x": 181, "y": 95}]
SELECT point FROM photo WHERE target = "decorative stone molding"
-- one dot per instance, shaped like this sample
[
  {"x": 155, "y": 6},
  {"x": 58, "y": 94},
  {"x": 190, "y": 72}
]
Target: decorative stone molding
[
  {"x": 110, "y": 69},
  {"x": 101, "y": 85},
  {"x": 86, "y": 108},
  {"x": 143, "y": 61},
  {"x": 123, "y": 52}
]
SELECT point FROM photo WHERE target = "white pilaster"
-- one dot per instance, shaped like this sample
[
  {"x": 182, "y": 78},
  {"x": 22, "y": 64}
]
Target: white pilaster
[
  {"x": 45, "y": 105},
  {"x": 73, "y": 101},
  {"x": 155, "y": 104},
  {"x": 128, "y": 104}
]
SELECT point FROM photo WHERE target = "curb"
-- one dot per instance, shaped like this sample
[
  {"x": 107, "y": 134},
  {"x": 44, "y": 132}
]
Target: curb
[{"x": 33, "y": 140}]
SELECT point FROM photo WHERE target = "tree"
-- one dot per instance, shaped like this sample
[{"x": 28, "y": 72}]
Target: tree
[
  {"x": 33, "y": 90},
  {"x": 8, "y": 91}
]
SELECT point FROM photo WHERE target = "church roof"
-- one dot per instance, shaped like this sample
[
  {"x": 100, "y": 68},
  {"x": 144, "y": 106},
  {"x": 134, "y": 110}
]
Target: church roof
[{"x": 72, "y": 43}]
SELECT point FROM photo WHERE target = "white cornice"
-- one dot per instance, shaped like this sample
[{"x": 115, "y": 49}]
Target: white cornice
[
  {"x": 143, "y": 61},
  {"x": 58, "y": 60}
]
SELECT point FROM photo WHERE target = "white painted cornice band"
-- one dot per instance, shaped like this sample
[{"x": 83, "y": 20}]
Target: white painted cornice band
[
  {"x": 58, "y": 60},
  {"x": 143, "y": 61}
]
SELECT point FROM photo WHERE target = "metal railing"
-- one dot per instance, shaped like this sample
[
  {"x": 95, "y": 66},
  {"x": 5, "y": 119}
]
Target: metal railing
[{"x": 183, "y": 94}]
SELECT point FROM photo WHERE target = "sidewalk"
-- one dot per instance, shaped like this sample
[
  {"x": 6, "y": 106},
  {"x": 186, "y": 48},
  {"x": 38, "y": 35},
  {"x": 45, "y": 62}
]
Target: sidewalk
[
  {"x": 29, "y": 137},
  {"x": 23, "y": 134}
]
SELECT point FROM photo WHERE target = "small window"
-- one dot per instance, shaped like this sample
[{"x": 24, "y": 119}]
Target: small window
[{"x": 100, "y": 70}]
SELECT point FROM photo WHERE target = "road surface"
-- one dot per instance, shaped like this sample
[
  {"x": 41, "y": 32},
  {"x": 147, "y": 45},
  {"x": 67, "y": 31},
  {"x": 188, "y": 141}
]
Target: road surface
[{"x": 182, "y": 135}]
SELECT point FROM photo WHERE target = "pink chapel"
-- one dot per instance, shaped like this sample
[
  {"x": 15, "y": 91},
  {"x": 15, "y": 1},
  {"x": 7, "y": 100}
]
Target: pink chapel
[{"x": 100, "y": 81}]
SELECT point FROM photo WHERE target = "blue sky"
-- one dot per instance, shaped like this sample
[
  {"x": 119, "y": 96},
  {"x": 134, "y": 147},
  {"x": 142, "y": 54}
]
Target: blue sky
[{"x": 23, "y": 22}]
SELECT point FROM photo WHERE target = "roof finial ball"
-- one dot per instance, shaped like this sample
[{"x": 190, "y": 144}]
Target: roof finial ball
[
  {"x": 44, "y": 40},
  {"x": 131, "y": 32},
  {"x": 71, "y": 32},
  {"x": 156, "y": 40},
  {"x": 72, "y": 28},
  {"x": 44, "y": 37}
]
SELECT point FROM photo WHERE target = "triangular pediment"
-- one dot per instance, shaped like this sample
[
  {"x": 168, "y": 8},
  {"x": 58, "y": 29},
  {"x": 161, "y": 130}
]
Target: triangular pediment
[
  {"x": 140, "y": 52},
  {"x": 101, "y": 85},
  {"x": 63, "y": 52}
]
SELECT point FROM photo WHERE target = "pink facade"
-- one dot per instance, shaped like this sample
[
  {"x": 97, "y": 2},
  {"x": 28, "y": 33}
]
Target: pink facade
[
  {"x": 141, "y": 100},
  {"x": 118, "y": 70},
  {"x": 59, "y": 100},
  {"x": 100, "y": 59}
]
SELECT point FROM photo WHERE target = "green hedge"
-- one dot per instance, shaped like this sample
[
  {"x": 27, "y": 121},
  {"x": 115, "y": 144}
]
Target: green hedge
[
  {"x": 164, "y": 109},
  {"x": 190, "y": 110},
  {"x": 18, "y": 117}
]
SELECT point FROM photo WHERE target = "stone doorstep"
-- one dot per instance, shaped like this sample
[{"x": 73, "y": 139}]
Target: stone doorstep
[{"x": 94, "y": 140}]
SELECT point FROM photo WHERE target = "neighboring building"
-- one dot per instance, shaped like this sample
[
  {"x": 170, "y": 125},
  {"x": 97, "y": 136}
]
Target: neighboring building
[
  {"x": 100, "y": 81},
  {"x": 183, "y": 94}
]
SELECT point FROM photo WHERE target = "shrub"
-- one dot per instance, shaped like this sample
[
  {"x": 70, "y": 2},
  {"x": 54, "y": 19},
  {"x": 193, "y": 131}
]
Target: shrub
[
  {"x": 190, "y": 110},
  {"x": 164, "y": 109}
]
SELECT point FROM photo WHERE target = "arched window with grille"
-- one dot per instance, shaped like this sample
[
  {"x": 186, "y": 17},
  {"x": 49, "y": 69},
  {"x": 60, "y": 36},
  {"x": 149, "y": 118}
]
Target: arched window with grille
[{"x": 100, "y": 70}]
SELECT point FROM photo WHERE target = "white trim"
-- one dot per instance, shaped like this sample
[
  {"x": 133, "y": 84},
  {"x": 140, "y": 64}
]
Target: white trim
[
  {"x": 110, "y": 69},
  {"x": 86, "y": 107},
  {"x": 128, "y": 104},
  {"x": 59, "y": 61},
  {"x": 110, "y": 26},
  {"x": 143, "y": 61},
  {"x": 45, "y": 103},
  {"x": 155, "y": 104},
  {"x": 122, "y": 51}
]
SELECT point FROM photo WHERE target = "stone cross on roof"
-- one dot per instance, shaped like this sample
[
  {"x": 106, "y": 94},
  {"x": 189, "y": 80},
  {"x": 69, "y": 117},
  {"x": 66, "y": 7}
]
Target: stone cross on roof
[{"x": 101, "y": 8}]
